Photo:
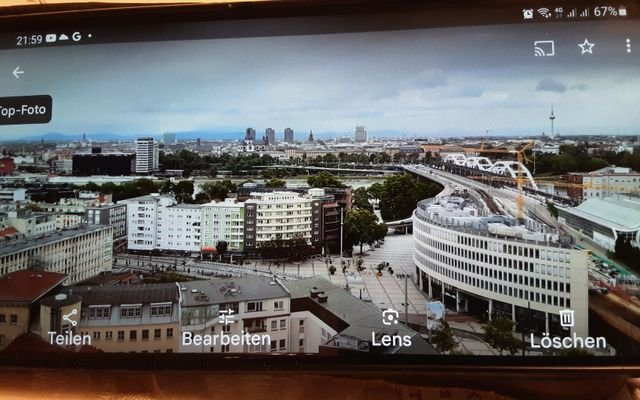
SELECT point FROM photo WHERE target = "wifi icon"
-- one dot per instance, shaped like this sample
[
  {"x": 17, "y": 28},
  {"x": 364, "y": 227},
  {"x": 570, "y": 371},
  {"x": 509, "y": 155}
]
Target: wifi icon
[{"x": 544, "y": 12}]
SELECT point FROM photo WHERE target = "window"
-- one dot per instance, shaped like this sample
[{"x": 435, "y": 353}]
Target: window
[
  {"x": 130, "y": 311},
  {"x": 274, "y": 325},
  {"x": 14, "y": 319},
  {"x": 145, "y": 334},
  {"x": 133, "y": 335},
  {"x": 160, "y": 310},
  {"x": 120, "y": 335},
  {"x": 274, "y": 345},
  {"x": 225, "y": 348},
  {"x": 254, "y": 306},
  {"x": 283, "y": 324},
  {"x": 108, "y": 335},
  {"x": 169, "y": 333},
  {"x": 283, "y": 344},
  {"x": 278, "y": 305},
  {"x": 101, "y": 312},
  {"x": 3, "y": 319},
  {"x": 96, "y": 335},
  {"x": 157, "y": 333}
]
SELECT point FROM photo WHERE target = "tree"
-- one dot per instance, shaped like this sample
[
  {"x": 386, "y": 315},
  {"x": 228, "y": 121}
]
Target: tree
[
  {"x": 218, "y": 190},
  {"x": 399, "y": 195},
  {"x": 275, "y": 183},
  {"x": 361, "y": 199},
  {"x": 498, "y": 333},
  {"x": 324, "y": 179},
  {"x": 362, "y": 227},
  {"x": 183, "y": 191},
  {"x": 552, "y": 210},
  {"x": 221, "y": 248},
  {"x": 442, "y": 338}
]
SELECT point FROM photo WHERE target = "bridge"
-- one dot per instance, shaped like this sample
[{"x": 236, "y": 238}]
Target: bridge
[{"x": 335, "y": 169}]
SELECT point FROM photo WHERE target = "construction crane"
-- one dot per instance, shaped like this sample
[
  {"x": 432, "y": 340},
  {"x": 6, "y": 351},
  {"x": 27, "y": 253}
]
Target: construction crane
[{"x": 522, "y": 158}]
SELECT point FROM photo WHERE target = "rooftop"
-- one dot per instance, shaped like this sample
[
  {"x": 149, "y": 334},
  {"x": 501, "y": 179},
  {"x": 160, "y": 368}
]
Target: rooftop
[
  {"x": 618, "y": 214},
  {"x": 220, "y": 291},
  {"x": 126, "y": 294},
  {"x": 362, "y": 318},
  {"x": 53, "y": 237},
  {"x": 28, "y": 285},
  {"x": 463, "y": 213}
]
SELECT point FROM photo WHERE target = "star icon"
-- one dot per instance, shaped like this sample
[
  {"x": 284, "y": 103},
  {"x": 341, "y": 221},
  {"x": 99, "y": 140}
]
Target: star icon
[{"x": 586, "y": 47}]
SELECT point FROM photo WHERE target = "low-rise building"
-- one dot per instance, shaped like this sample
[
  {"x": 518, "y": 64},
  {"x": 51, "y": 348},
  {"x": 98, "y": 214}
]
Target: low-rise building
[
  {"x": 19, "y": 295},
  {"x": 326, "y": 319},
  {"x": 605, "y": 220},
  {"x": 251, "y": 305},
  {"x": 79, "y": 253},
  {"x": 13, "y": 194},
  {"x": 29, "y": 223},
  {"x": 602, "y": 183},
  {"x": 124, "y": 319}
]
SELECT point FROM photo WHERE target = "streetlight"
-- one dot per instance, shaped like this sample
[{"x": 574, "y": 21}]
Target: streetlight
[{"x": 341, "y": 232}]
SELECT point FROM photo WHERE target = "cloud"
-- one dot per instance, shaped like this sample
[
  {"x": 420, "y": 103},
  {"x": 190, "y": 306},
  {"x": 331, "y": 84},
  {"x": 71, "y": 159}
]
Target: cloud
[
  {"x": 429, "y": 79},
  {"x": 550, "y": 85},
  {"x": 580, "y": 87}
]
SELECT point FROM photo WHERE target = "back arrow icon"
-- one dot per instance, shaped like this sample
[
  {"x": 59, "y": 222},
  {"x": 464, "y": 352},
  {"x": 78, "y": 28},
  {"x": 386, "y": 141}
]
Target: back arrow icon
[{"x": 17, "y": 72}]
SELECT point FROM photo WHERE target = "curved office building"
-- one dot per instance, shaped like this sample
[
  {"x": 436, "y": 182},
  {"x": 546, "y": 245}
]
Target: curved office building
[{"x": 488, "y": 265}]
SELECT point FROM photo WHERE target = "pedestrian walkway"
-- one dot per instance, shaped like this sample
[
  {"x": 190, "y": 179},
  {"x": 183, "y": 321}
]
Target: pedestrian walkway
[{"x": 386, "y": 291}]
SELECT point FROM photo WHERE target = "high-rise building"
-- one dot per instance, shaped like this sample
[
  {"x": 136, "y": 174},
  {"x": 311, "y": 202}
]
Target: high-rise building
[
  {"x": 288, "y": 135},
  {"x": 361, "y": 134},
  {"x": 310, "y": 139},
  {"x": 169, "y": 138},
  {"x": 271, "y": 136},
  {"x": 147, "y": 155},
  {"x": 250, "y": 134}
]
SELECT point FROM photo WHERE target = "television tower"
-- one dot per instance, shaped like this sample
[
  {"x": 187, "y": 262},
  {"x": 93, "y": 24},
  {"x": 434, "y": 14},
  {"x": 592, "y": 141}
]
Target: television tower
[{"x": 552, "y": 118}]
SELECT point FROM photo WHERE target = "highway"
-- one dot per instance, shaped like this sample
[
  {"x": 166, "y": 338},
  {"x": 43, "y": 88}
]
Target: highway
[{"x": 505, "y": 196}]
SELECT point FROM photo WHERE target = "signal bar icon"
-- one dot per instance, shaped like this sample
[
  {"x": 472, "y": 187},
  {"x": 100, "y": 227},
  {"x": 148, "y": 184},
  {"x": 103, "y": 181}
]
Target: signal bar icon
[
  {"x": 584, "y": 13},
  {"x": 573, "y": 13}
]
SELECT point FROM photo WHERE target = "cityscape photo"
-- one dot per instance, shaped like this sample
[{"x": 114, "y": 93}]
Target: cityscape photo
[{"x": 458, "y": 191}]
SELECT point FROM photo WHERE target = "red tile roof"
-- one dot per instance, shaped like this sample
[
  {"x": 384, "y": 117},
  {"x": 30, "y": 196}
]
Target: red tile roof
[
  {"x": 8, "y": 231},
  {"x": 28, "y": 285}
]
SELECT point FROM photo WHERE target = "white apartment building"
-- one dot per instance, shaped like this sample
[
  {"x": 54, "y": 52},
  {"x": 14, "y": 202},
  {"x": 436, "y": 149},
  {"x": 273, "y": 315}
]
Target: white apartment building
[
  {"x": 258, "y": 306},
  {"x": 276, "y": 215},
  {"x": 147, "y": 155},
  {"x": 178, "y": 228},
  {"x": 79, "y": 253},
  {"x": 143, "y": 216},
  {"x": 223, "y": 221},
  {"x": 156, "y": 222},
  {"x": 487, "y": 265}
]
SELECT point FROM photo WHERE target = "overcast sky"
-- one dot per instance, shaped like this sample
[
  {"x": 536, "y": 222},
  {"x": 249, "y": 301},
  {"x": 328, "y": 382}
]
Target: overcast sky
[{"x": 454, "y": 81}]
